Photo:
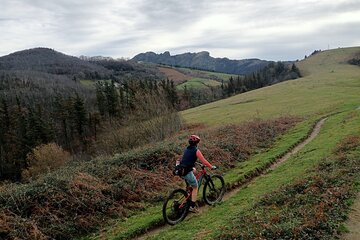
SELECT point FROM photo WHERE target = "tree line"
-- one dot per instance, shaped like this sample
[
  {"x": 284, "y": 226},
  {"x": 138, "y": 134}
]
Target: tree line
[
  {"x": 273, "y": 73},
  {"x": 72, "y": 119}
]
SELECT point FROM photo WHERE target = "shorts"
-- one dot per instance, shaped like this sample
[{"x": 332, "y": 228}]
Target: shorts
[{"x": 191, "y": 179}]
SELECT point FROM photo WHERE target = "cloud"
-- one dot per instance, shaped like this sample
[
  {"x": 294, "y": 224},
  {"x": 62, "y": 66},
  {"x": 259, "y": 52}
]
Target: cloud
[{"x": 274, "y": 30}]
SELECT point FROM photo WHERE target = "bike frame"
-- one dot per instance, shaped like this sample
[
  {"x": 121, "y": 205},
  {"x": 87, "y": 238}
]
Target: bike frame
[{"x": 199, "y": 177}]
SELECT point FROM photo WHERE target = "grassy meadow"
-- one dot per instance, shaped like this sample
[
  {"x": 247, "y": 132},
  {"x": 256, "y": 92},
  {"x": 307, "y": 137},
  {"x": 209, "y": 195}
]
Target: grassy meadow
[
  {"x": 198, "y": 83},
  {"x": 211, "y": 75},
  {"x": 329, "y": 85},
  {"x": 192, "y": 78},
  {"x": 214, "y": 220}
]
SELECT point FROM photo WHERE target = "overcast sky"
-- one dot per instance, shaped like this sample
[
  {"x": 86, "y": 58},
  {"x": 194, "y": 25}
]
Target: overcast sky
[{"x": 271, "y": 30}]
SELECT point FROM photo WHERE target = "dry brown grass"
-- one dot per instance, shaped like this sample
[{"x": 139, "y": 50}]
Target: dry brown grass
[
  {"x": 174, "y": 75},
  {"x": 76, "y": 200}
]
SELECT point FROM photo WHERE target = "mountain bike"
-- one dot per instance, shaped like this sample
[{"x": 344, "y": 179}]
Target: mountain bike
[{"x": 176, "y": 205}]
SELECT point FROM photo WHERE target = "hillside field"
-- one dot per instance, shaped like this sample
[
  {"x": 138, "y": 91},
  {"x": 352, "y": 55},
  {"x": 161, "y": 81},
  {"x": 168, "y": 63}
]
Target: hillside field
[
  {"x": 329, "y": 85},
  {"x": 192, "y": 78},
  {"x": 330, "y": 88}
]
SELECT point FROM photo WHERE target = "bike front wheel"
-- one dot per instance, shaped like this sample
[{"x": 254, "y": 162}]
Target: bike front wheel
[
  {"x": 176, "y": 207},
  {"x": 214, "y": 189}
]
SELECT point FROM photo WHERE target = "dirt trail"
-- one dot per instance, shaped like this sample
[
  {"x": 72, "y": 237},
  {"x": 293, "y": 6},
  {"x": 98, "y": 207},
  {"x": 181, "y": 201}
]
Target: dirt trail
[
  {"x": 232, "y": 192},
  {"x": 297, "y": 148},
  {"x": 353, "y": 223}
]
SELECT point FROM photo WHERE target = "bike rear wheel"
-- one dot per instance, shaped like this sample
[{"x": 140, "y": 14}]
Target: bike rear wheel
[
  {"x": 214, "y": 189},
  {"x": 176, "y": 207}
]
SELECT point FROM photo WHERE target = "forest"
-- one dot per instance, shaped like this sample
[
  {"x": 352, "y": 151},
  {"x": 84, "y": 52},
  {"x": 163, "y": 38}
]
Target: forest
[
  {"x": 40, "y": 105},
  {"x": 45, "y": 108}
]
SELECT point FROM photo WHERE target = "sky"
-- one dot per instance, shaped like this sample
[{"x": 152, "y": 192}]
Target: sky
[{"x": 237, "y": 29}]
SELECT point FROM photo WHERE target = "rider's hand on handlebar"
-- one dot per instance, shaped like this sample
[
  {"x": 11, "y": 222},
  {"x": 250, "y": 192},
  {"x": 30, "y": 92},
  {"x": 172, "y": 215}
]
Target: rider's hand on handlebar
[{"x": 214, "y": 167}]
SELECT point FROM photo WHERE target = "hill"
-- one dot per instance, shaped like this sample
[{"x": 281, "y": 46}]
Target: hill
[
  {"x": 329, "y": 88},
  {"x": 50, "y": 61},
  {"x": 329, "y": 84},
  {"x": 203, "y": 61}
]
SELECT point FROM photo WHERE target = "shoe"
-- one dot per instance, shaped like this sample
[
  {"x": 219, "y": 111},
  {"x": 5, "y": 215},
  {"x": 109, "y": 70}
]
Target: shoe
[{"x": 194, "y": 209}]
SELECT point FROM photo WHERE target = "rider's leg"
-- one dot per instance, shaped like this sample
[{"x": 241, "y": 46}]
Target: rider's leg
[
  {"x": 195, "y": 188},
  {"x": 194, "y": 194},
  {"x": 191, "y": 180}
]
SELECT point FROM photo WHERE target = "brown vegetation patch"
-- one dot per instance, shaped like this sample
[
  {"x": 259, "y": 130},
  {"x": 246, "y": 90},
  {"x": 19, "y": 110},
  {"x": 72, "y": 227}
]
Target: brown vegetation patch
[
  {"x": 310, "y": 208},
  {"x": 77, "y": 200},
  {"x": 174, "y": 75}
]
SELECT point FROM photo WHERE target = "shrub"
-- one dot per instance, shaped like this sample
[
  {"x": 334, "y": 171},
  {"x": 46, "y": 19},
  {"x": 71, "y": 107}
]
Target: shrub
[
  {"x": 310, "y": 208},
  {"x": 77, "y": 199},
  {"x": 43, "y": 159}
]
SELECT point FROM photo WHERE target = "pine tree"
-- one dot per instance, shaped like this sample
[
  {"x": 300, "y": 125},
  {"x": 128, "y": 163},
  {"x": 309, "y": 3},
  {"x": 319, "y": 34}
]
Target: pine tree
[
  {"x": 79, "y": 115},
  {"x": 295, "y": 69},
  {"x": 111, "y": 99},
  {"x": 173, "y": 94},
  {"x": 100, "y": 99},
  {"x": 231, "y": 87}
]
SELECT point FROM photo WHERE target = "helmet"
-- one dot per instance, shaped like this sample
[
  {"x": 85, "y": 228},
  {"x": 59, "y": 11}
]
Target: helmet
[{"x": 194, "y": 139}]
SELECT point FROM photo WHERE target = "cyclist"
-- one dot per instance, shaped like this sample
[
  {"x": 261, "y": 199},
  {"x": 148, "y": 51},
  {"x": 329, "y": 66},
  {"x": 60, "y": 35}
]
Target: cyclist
[{"x": 191, "y": 154}]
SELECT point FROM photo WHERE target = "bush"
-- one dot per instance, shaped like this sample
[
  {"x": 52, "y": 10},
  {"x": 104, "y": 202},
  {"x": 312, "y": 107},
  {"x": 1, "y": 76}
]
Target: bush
[
  {"x": 77, "y": 199},
  {"x": 43, "y": 159},
  {"x": 354, "y": 61},
  {"x": 310, "y": 208}
]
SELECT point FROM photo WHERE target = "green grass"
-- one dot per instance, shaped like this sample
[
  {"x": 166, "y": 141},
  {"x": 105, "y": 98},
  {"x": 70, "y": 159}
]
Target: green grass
[
  {"x": 209, "y": 74},
  {"x": 329, "y": 85},
  {"x": 205, "y": 79},
  {"x": 198, "y": 83},
  {"x": 313, "y": 207},
  {"x": 262, "y": 160},
  {"x": 130, "y": 227},
  {"x": 223, "y": 76},
  {"x": 209, "y": 223}
]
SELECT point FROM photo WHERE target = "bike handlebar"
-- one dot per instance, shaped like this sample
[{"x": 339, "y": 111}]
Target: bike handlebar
[{"x": 202, "y": 166}]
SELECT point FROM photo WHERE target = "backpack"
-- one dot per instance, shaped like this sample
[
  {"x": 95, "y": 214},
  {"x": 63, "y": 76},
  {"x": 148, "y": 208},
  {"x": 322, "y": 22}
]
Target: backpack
[{"x": 179, "y": 171}]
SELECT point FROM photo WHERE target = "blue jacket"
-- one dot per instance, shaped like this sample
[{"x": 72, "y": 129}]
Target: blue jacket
[{"x": 189, "y": 158}]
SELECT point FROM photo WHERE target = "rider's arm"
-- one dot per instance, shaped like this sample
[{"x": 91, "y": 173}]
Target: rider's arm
[{"x": 202, "y": 159}]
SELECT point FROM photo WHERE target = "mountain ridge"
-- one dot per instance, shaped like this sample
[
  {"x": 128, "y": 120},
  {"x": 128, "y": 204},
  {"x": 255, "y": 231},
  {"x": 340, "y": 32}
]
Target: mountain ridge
[{"x": 202, "y": 60}]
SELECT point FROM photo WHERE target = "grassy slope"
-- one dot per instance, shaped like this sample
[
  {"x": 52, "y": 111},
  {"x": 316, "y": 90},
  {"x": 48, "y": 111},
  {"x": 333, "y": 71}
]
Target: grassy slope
[
  {"x": 329, "y": 85},
  {"x": 209, "y": 224}
]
